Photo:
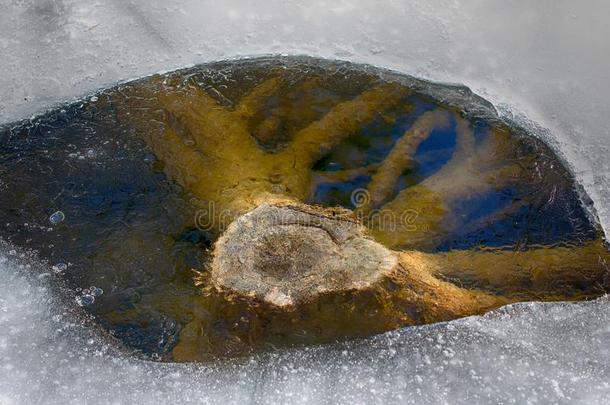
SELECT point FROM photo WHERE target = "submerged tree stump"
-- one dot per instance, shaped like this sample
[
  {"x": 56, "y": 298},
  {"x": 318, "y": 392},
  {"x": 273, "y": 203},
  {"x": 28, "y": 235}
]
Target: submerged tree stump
[
  {"x": 200, "y": 200},
  {"x": 290, "y": 272},
  {"x": 287, "y": 272},
  {"x": 290, "y": 255}
]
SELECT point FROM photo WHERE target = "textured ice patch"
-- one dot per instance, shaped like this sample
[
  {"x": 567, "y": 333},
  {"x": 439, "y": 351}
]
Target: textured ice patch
[
  {"x": 525, "y": 353},
  {"x": 548, "y": 59}
]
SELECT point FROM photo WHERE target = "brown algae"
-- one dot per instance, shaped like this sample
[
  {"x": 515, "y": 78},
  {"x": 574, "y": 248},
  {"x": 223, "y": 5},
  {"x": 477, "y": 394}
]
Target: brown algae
[{"x": 247, "y": 204}]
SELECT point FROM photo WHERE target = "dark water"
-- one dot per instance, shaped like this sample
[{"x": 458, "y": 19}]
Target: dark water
[{"x": 130, "y": 231}]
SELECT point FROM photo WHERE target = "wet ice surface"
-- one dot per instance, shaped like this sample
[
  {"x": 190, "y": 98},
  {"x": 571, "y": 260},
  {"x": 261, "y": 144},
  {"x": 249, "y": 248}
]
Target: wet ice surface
[
  {"x": 548, "y": 60},
  {"x": 525, "y": 353},
  {"x": 84, "y": 192}
]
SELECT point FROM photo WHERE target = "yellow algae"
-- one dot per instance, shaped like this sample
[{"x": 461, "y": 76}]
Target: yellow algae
[{"x": 258, "y": 157}]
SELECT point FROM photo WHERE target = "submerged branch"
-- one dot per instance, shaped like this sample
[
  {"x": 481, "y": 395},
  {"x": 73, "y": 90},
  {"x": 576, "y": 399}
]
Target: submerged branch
[
  {"x": 401, "y": 156},
  {"x": 344, "y": 119}
]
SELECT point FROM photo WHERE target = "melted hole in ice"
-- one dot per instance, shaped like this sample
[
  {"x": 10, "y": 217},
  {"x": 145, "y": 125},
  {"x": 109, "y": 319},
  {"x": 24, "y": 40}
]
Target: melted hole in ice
[{"x": 82, "y": 187}]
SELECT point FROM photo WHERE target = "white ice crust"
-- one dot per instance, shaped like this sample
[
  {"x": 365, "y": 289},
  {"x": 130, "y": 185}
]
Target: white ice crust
[{"x": 546, "y": 64}]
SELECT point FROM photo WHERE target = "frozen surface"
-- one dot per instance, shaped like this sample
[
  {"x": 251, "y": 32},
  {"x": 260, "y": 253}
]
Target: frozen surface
[
  {"x": 547, "y": 60},
  {"x": 526, "y": 353}
]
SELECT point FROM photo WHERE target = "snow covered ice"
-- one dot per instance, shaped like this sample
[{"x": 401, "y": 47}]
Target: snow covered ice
[
  {"x": 525, "y": 353},
  {"x": 546, "y": 64}
]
